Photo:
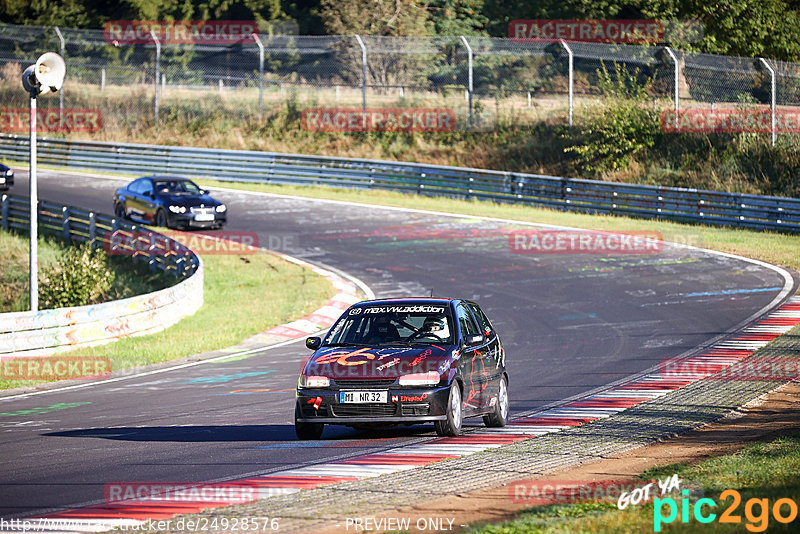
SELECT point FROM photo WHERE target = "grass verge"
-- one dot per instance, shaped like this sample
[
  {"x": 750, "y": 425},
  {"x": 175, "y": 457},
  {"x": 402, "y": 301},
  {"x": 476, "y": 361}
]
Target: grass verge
[
  {"x": 244, "y": 295},
  {"x": 771, "y": 247},
  {"x": 765, "y": 471}
]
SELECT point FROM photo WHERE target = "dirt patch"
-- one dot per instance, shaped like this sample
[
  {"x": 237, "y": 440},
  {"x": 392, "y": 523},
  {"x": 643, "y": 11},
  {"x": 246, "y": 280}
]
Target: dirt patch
[{"x": 776, "y": 414}]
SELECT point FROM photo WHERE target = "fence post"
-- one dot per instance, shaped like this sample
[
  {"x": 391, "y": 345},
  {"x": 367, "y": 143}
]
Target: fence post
[
  {"x": 92, "y": 229},
  {"x": 4, "y": 213},
  {"x": 571, "y": 80},
  {"x": 65, "y": 233},
  {"x": 158, "y": 68},
  {"x": 260, "y": 73},
  {"x": 772, "y": 97},
  {"x": 469, "y": 71},
  {"x": 363, "y": 72},
  {"x": 676, "y": 90},
  {"x": 61, "y": 91},
  {"x": 103, "y": 79}
]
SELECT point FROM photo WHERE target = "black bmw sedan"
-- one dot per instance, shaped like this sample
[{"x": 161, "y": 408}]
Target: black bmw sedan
[
  {"x": 169, "y": 201},
  {"x": 401, "y": 361}
]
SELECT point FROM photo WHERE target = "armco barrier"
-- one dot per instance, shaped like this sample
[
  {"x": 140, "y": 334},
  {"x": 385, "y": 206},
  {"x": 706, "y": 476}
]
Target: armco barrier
[
  {"x": 669, "y": 203},
  {"x": 48, "y": 331}
]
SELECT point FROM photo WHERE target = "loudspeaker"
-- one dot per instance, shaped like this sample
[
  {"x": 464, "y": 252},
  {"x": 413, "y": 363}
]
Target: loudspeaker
[{"x": 47, "y": 76}]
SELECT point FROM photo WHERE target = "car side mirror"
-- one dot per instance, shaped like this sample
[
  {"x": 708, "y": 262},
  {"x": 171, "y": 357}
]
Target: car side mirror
[
  {"x": 313, "y": 343},
  {"x": 203, "y": 192},
  {"x": 474, "y": 339}
]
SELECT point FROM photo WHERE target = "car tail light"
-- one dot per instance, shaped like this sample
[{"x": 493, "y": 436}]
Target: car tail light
[
  {"x": 314, "y": 381},
  {"x": 431, "y": 378}
]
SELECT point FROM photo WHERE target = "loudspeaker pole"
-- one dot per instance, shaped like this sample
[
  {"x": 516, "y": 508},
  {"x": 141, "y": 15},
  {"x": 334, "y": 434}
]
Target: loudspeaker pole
[{"x": 34, "y": 193}]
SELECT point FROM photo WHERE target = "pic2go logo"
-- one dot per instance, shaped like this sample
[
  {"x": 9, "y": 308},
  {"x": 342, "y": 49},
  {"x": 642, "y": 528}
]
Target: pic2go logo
[{"x": 756, "y": 511}]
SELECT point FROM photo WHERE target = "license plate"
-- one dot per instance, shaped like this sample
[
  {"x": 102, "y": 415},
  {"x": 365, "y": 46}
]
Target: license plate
[
  {"x": 347, "y": 397},
  {"x": 201, "y": 217},
  {"x": 2, "y": 180}
]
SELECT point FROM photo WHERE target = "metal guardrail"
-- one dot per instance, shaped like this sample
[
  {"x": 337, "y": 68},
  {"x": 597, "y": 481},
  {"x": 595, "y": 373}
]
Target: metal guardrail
[
  {"x": 47, "y": 331},
  {"x": 588, "y": 196}
]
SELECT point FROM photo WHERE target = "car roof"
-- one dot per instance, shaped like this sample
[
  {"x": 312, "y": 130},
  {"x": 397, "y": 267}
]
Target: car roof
[{"x": 172, "y": 178}]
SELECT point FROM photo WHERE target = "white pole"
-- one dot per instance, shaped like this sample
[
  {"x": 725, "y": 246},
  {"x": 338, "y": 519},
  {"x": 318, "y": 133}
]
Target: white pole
[
  {"x": 103, "y": 79},
  {"x": 772, "y": 98},
  {"x": 571, "y": 64},
  {"x": 469, "y": 74},
  {"x": 34, "y": 215},
  {"x": 61, "y": 92},
  {"x": 260, "y": 72},
  {"x": 158, "y": 66},
  {"x": 363, "y": 72},
  {"x": 677, "y": 76}
]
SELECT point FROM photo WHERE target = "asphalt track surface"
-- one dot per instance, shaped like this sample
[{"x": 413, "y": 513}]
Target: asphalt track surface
[{"x": 569, "y": 324}]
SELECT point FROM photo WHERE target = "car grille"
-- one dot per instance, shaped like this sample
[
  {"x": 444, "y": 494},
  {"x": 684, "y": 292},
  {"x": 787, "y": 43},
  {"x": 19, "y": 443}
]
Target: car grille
[
  {"x": 362, "y": 410},
  {"x": 417, "y": 409},
  {"x": 345, "y": 383},
  {"x": 202, "y": 211}
]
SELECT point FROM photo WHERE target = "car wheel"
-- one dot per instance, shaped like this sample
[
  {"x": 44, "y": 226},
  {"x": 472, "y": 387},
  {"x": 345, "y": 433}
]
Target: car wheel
[
  {"x": 161, "y": 218},
  {"x": 306, "y": 431},
  {"x": 455, "y": 413},
  {"x": 119, "y": 211},
  {"x": 499, "y": 416}
]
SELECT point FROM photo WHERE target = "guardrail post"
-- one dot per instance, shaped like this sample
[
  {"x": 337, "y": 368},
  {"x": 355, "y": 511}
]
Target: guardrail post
[
  {"x": 4, "y": 212},
  {"x": 260, "y": 73},
  {"x": 158, "y": 67},
  {"x": 363, "y": 72},
  {"x": 772, "y": 98},
  {"x": 571, "y": 61},
  {"x": 65, "y": 233},
  {"x": 469, "y": 72},
  {"x": 92, "y": 229},
  {"x": 677, "y": 72},
  {"x": 61, "y": 91}
]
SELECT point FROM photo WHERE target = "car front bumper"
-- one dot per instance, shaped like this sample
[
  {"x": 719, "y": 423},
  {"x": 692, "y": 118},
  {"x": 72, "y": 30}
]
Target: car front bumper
[
  {"x": 405, "y": 405},
  {"x": 187, "y": 220},
  {"x": 6, "y": 181}
]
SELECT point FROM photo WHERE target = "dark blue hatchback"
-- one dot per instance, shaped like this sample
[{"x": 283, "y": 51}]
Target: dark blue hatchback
[{"x": 169, "y": 201}]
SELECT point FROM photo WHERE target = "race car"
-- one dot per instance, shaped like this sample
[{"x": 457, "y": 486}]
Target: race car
[
  {"x": 169, "y": 201},
  {"x": 397, "y": 361}
]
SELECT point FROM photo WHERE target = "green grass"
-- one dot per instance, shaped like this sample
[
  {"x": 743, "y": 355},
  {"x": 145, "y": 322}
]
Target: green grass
[
  {"x": 775, "y": 248},
  {"x": 244, "y": 295},
  {"x": 14, "y": 272},
  {"x": 765, "y": 470}
]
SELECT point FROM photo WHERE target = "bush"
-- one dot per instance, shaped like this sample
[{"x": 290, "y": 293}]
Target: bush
[
  {"x": 617, "y": 130},
  {"x": 81, "y": 277}
]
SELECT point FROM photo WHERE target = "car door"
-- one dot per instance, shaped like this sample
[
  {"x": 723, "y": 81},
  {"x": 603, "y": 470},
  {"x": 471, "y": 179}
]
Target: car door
[
  {"x": 147, "y": 201},
  {"x": 493, "y": 356},
  {"x": 471, "y": 364}
]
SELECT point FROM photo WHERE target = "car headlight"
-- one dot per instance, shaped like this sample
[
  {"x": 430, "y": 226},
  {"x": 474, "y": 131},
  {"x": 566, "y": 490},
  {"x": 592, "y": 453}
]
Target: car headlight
[
  {"x": 10, "y": 172},
  {"x": 431, "y": 378},
  {"x": 221, "y": 208},
  {"x": 313, "y": 381},
  {"x": 177, "y": 209}
]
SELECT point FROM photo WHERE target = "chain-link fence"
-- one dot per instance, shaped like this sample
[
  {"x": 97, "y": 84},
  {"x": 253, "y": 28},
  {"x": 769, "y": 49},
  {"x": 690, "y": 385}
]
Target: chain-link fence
[{"x": 141, "y": 85}]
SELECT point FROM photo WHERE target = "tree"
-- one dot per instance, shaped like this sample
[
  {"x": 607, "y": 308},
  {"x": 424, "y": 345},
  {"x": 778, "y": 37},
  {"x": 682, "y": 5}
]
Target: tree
[{"x": 375, "y": 17}]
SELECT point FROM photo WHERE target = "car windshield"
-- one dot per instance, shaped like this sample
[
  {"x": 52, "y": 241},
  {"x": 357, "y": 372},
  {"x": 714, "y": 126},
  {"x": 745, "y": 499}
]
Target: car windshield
[
  {"x": 176, "y": 187},
  {"x": 392, "y": 325}
]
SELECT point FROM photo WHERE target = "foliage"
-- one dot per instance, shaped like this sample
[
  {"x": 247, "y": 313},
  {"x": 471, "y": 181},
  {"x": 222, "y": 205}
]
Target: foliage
[
  {"x": 81, "y": 277},
  {"x": 617, "y": 130}
]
